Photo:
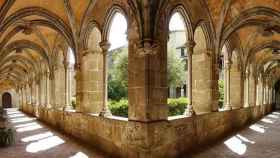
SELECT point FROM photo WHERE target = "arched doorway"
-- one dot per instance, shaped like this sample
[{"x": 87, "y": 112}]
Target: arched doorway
[{"x": 7, "y": 100}]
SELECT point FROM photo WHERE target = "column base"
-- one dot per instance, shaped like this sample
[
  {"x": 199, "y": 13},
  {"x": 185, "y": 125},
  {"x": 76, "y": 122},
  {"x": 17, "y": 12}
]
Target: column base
[
  {"x": 67, "y": 107},
  {"x": 105, "y": 113},
  {"x": 227, "y": 107},
  {"x": 189, "y": 111}
]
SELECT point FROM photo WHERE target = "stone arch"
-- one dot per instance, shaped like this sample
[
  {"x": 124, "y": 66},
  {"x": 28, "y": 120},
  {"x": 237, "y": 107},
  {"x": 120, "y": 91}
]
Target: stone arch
[
  {"x": 49, "y": 19},
  {"x": 109, "y": 18},
  {"x": 267, "y": 44},
  {"x": 21, "y": 44},
  {"x": 186, "y": 18},
  {"x": 249, "y": 18}
]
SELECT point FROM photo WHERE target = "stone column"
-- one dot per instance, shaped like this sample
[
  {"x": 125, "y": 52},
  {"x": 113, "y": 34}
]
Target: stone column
[
  {"x": 247, "y": 74},
  {"x": 38, "y": 88},
  {"x": 31, "y": 93},
  {"x": 263, "y": 92},
  {"x": 52, "y": 90},
  {"x": 47, "y": 89},
  {"x": 189, "y": 110},
  {"x": 227, "y": 105},
  {"x": 79, "y": 87},
  {"x": 105, "y": 45},
  {"x": 257, "y": 92},
  {"x": 27, "y": 96},
  {"x": 66, "y": 82},
  {"x": 21, "y": 98}
]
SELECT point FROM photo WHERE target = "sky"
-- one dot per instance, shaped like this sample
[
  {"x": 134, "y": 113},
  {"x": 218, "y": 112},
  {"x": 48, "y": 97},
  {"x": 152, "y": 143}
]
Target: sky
[{"x": 118, "y": 38}]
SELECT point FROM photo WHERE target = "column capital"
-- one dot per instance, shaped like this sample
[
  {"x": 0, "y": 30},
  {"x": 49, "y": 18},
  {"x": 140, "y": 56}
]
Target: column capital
[
  {"x": 77, "y": 66},
  {"x": 147, "y": 47},
  {"x": 66, "y": 64},
  {"x": 190, "y": 45},
  {"x": 51, "y": 75},
  {"x": 228, "y": 64},
  {"x": 105, "y": 46}
]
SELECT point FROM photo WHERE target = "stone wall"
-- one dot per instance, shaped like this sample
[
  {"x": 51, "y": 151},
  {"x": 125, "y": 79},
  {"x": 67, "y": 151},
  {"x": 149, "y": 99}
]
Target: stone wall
[{"x": 171, "y": 138}]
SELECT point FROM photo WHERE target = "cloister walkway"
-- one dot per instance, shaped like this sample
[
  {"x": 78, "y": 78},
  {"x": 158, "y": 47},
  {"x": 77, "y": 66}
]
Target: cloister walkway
[
  {"x": 259, "y": 140},
  {"x": 36, "y": 140}
]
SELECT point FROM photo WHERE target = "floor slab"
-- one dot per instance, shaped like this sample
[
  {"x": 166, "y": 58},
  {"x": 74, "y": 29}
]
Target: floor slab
[
  {"x": 259, "y": 140},
  {"x": 36, "y": 140}
]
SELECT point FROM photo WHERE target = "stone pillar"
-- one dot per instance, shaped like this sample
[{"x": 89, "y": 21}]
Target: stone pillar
[
  {"x": 147, "y": 83},
  {"x": 27, "y": 94},
  {"x": 227, "y": 105},
  {"x": 38, "y": 94},
  {"x": 263, "y": 93},
  {"x": 21, "y": 98},
  {"x": 246, "y": 100},
  {"x": 189, "y": 110},
  {"x": 257, "y": 92},
  {"x": 52, "y": 91},
  {"x": 42, "y": 91},
  {"x": 236, "y": 86},
  {"x": 105, "y": 109},
  {"x": 47, "y": 89},
  {"x": 79, "y": 88},
  {"x": 66, "y": 82}
]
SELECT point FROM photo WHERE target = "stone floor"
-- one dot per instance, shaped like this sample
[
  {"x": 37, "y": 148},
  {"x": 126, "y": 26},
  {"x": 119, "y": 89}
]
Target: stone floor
[
  {"x": 36, "y": 140},
  {"x": 260, "y": 140}
]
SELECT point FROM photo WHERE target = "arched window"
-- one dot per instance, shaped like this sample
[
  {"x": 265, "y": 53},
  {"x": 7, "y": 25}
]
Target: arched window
[
  {"x": 71, "y": 81},
  {"x": 117, "y": 61},
  {"x": 177, "y": 65},
  {"x": 221, "y": 83}
]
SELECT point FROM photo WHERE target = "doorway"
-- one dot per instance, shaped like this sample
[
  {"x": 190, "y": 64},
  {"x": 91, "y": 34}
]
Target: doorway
[{"x": 7, "y": 100}]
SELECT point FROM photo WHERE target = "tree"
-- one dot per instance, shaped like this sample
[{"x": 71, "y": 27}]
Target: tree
[
  {"x": 176, "y": 74},
  {"x": 221, "y": 93},
  {"x": 118, "y": 74}
]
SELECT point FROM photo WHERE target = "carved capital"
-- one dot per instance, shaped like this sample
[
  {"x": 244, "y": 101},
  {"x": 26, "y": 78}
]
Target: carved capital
[
  {"x": 190, "y": 45},
  {"x": 77, "y": 66},
  {"x": 228, "y": 64},
  {"x": 147, "y": 47},
  {"x": 105, "y": 46}
]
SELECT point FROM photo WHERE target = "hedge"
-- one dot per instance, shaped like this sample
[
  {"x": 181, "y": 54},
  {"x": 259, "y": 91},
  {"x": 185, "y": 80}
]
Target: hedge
[{"x": 176, "y": 107}]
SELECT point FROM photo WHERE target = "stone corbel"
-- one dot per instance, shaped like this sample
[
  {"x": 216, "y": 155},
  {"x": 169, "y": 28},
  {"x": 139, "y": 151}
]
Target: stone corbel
[
  {"x": 105, "y": 46},
  {"x": 87, "y": 52},
  {"x": 209, "y": 52},
  {"x": 190, "y": 46},
  {"x": 147, "y": 47}
]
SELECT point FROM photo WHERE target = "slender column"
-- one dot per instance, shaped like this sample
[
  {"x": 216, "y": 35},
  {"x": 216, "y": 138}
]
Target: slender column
[
  {"x": 105, "y": 109},
  {"x": 27, "y": 94},
  {"x": 189, "y": 110},
  {"x": 52, "y": 90},
  {"x": 257, "y": 92},
  {"x": 38, "y": 88},
  {"x": 70, "y": 85},
  {"x": 47, "y": 89},
  {"x": 66, "y": 79},
  {"x": 227, "y": 105},
  {"x": 31, "y": 93},
  {"x": 263, "y": 93},
  {"x": 247, "y": 89}
]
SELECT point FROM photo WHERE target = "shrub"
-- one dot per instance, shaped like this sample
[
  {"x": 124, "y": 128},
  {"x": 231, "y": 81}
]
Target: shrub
[
  {"x": 221, "y": 93},
  {"x": 120, "y": 108},
  {"x": 177, "y": 106}
]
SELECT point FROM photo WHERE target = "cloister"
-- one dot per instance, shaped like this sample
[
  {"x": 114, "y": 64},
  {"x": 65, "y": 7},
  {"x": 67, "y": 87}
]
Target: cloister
[{"x": 58, "y": 62}]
